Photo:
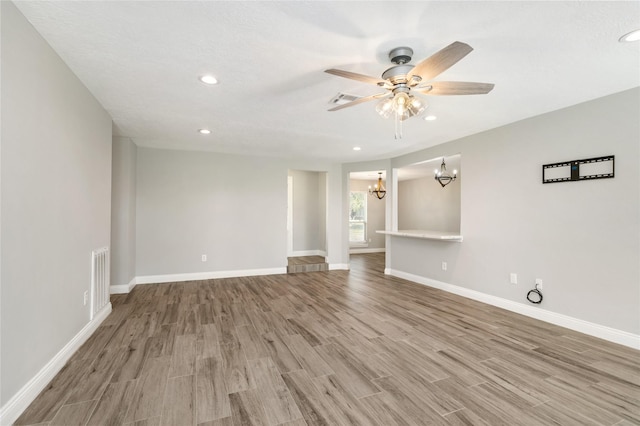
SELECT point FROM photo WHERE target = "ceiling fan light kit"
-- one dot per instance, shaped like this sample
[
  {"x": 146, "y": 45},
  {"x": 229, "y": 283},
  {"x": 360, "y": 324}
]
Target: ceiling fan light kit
[
  {"x": 401, "y": 105},
  {"x": 402, "y": 78}
]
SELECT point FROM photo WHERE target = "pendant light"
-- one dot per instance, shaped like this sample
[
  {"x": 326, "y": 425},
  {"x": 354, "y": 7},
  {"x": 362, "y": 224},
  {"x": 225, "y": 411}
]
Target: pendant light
[
  {"x": 443, "y": 177},
  {"x": 378, "y": 190}
]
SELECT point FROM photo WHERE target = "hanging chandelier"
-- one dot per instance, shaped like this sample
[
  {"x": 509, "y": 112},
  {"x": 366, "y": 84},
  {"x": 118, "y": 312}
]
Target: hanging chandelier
[
  {"x": 443, "y": 177},
  {"x": 378, "y": 190}
]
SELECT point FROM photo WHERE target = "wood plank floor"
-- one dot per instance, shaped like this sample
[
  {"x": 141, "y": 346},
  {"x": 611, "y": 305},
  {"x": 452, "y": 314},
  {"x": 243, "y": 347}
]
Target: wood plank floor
[{"x": 334, "y": 348}]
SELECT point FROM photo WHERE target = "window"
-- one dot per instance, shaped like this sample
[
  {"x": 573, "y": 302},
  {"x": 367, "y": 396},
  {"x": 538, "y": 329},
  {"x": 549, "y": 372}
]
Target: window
[{"x": 358, "y": 217}]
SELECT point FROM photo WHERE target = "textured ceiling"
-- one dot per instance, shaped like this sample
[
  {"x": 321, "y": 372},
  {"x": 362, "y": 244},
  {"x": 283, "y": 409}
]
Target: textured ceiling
[{"x": 141, "y": 60}]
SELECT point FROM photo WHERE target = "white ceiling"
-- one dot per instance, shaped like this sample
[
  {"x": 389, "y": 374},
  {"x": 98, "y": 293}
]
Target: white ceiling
[{"x": 141, "y": 60}]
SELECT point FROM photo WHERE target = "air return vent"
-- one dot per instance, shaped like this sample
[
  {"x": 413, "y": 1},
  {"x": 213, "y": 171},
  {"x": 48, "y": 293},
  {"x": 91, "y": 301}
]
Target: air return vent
[
  {"x": 99, "y": 280},
  {"x": 343, "y": 98}
]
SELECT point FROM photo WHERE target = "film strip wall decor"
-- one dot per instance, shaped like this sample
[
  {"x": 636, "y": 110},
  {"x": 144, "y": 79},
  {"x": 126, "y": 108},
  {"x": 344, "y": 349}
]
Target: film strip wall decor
[{"x": 577, "y": 170}]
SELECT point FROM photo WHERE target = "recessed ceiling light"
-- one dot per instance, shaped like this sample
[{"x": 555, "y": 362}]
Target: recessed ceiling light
[
  {"x": 208, "y": 79},
  {"x": 356, "y": 148},
  {"x": 430, "y": 117},
  {"x": 632, "y": 36},
  {"x": 204, "y": 131}
]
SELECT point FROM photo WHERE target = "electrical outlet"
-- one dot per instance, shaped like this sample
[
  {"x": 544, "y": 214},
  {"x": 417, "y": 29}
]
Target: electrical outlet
[
  {"x": 539, "y": 283},
  {"x": 85, "y": 298},
  {"x": 444, "y": 266},
  {"x": 513, "y": 277},
  {"x": 204, "y": 257}
]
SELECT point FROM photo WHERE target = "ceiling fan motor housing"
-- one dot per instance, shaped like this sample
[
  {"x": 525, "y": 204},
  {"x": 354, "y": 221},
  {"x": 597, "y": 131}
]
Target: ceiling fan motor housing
[
  {"x": 397, "y": 74},
  {"x": 401, "y": 55}
]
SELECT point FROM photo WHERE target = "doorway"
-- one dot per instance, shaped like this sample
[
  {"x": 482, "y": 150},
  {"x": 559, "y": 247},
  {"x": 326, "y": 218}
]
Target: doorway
[
  {"x": 367, "y": 214},
  {"x": 306, "y": 221}
]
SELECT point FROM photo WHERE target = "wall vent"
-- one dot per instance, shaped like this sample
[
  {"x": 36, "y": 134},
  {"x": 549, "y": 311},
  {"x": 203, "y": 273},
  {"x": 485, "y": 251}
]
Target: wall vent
[
  {"x": 343, "y": 98},
  {"x": 99, "y": 280}
]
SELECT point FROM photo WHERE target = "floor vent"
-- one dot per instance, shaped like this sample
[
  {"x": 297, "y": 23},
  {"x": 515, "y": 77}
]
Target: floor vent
[{"x": 99, "y": 280}]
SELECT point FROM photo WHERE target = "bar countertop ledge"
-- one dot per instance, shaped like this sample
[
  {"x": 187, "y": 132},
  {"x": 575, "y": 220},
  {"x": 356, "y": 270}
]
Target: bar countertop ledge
[{"x": 424, "y": 234}]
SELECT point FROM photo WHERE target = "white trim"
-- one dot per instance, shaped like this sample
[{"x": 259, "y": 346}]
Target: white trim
[
  {"x": 156, "y": 279},
  {"x": 19, "y": 402},
  {"x": 366, "y": 250},
  {"x": 124, "y": 288},
  {"x": 603, "y": 332},
  {"x": 338, "y": 266},
  {"x": 358, "y": 244},
  {"x": 289, "y": 216},
  {"x": 300, "y": 253}
]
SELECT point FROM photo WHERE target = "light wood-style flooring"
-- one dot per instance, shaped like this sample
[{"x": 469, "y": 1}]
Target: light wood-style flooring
[{"x": 334, "y": 348}]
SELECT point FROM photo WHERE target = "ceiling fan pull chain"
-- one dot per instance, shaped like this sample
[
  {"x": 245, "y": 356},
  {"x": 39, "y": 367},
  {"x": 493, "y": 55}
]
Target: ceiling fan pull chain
[{"x": 398, "y": 122}]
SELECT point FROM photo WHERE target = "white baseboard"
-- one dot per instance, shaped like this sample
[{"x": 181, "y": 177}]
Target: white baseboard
[
  {"x": 156, "y": 279},
  {"x": 366, "y": 250},
  {"x": 124, "y": 288},
  {"x": 338, "y": 266},
  {"x": 19, "y": 402},
  {"x": 193, "y": 276},
  {"x": 603, "y": 332},
  {"x": 358, "y": 245},
  {"x": 301, "y": 253}
]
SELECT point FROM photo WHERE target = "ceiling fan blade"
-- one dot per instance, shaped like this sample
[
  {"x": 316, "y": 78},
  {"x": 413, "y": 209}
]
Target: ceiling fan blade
[
  {"x": 447, "y": 88},
  {"x": 440, "y": 61},
  {"x": 355, "y": 76},
  {"x": 359, "y": 101}
]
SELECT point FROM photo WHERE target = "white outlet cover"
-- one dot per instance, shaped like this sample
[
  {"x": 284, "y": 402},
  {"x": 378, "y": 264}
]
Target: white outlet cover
[{"x": 513, "y": 278}]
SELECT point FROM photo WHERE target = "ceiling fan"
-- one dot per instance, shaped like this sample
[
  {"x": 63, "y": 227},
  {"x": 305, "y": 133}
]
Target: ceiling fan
[{"x": 403, "y": 78}]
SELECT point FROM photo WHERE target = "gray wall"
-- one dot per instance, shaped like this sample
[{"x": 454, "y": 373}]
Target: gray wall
[
  {"x": 375, "y": 212},
  {"x": 231, "y": 208},
  {"x": 424, "y": 204},
  {"x": 123, "y": 212},
  {"x": 581, "y": 238},
  {"x": 337, "y": 216},
  {"x": 55, "y": 197},
  {"x": 309, "y": 210},
  {"x": 322, "y": 211}
]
